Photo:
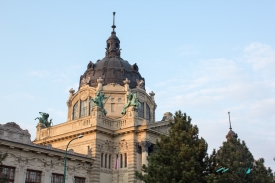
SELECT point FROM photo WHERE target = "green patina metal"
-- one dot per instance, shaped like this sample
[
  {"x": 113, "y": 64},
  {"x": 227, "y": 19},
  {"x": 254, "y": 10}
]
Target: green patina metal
[
  {"x": 43, "y": 120},
  {"x": 131, "y": 101},
  {"x": 222, "y": 170},
  {"x": 242, "y": 171},
  {"x": 98, "y": 100}
]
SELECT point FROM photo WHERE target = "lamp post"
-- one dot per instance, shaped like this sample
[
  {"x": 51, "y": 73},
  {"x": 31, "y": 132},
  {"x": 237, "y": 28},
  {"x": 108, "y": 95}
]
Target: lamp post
[{"x": 65, "y": 158}]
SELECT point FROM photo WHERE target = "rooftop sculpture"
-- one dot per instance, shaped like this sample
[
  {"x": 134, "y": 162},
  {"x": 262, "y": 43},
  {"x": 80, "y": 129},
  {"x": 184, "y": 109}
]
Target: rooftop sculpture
[
  {"x": 43, "y": 121},
  {"x": 131, "y": 101},
  {"x": 98, "y": 100}
]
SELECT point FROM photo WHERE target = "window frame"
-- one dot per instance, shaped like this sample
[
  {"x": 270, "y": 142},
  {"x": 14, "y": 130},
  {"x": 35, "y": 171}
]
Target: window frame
[
  {"x": 56, "y": 174},
  {"x": 75, "y": 111},
  {"x": 9, "y": 180},
  {"x": 141, "y": 110},
  {"x": 148, "y": 112},
  {"x": 82, "y": 179},
  {"x": 125, "y": 160},
  {"x": 83, "y": 108},
  {"x": 28, "y": 176}
]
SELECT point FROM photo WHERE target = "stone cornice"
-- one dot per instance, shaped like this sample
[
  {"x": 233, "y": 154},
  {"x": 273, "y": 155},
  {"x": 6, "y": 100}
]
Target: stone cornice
[
  {"x": 99, "y": 129},
  {"x": 45, "y": 150}
]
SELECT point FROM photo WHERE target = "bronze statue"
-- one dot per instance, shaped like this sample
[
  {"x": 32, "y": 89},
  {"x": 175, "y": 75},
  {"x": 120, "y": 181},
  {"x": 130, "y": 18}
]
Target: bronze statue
[
  {"x": 131, "y": 101},
  {"x": 98, "y": 100},
  {"x": 43, "y": 121}
]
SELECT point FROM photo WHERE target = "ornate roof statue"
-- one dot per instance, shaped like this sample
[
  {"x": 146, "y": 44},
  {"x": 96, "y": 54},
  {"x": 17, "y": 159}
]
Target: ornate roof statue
[
  {"x": 43, "y": 120},
  {"x": 231, "y": 133},
  {"x": 98, "y": 100},
  {"x": 131, "y": 101},
  {"x": 112, "y": 68}
]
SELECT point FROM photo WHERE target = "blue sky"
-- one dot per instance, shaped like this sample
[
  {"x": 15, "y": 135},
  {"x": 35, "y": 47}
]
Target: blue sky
[{"x": 205, "y": 58}]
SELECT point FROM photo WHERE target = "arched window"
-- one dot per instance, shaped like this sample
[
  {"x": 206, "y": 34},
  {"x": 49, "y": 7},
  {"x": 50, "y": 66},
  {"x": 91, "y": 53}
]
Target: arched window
[
  {"x": 75, "y": 111},
  {"x": 147, "y": 112},
  {"x": 83, "y": 108},
  {"x": 141, "y": 110}
]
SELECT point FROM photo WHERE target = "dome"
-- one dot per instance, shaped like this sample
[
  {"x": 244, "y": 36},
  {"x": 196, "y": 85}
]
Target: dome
[
  {"x": 231, "y": 134},
  {"x": 112, "y": 68}
]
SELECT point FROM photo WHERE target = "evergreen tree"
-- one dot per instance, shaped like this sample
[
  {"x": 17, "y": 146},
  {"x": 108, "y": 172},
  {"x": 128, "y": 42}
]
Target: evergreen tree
[
  {"x": 242, "y": 168},
  {"x": 261, "y": 174},
  {"x": 179, "y": 157}
]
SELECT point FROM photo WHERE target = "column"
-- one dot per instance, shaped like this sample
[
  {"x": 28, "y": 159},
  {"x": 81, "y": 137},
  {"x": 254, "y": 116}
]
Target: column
[{"x": 144, "y": 147}]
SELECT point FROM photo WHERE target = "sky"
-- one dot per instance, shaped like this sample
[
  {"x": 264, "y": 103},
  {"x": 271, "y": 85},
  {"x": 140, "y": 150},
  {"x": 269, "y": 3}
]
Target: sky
[{"x": 204, "y": 58}]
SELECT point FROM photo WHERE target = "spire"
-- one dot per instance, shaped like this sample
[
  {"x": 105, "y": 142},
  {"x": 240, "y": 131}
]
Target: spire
[
  {"x": 229, "y": 121},
  {"x": 231, "y": 133},
  {"x": 113, "y": 43},
  {"x": 113, "y": 26}
]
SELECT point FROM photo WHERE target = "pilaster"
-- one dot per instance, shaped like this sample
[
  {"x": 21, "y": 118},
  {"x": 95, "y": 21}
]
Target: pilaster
[
  {"x": 95, "y": 172},
  {"x": 144, "y": 149},
  {"x": 132, "y": 161}
]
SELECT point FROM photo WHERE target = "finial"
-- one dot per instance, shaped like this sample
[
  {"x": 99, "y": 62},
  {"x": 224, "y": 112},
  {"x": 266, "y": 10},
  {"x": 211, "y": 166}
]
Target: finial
[
  {"x": 113, "y": 26},
  {"x": 229, "y": 121}
]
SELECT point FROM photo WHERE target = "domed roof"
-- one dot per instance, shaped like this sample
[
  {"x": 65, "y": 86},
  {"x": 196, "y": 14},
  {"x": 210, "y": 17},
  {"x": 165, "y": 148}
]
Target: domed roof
[
  {"x": 231, "y": 134},
  {"x": 112, "y": 68}
]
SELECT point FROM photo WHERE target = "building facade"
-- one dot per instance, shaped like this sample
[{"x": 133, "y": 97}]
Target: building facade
[
  {"x": 116, "y": 116},
  {"x": 31, "y": 163}
]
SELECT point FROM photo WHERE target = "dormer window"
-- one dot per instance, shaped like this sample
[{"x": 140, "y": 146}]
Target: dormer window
[
  {"x": 83, "y": 108},
  {"x": 141, "y": 110}
]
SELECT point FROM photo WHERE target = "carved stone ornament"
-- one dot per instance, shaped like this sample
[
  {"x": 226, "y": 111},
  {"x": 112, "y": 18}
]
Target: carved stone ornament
[
  {"x": 70, "y": 151},
  {"x": 85, "y": 80},
  {"x": 152, "y": 95},
  {"x": 83, "y": 96},
  {"x": 49, "y": 146},
  {"x": 99, "y": 84},
  {"x": 126, "y": 85},
  {"x": 71, "y": 91},
  {"x": 140, "y": 84}
]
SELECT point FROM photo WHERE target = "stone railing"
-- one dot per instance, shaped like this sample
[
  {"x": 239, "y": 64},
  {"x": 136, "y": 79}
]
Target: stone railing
[
  {"x": 113, "y": 124},
  {"x": 83, "y": 123},
  {"x": 62, "y": 128}
]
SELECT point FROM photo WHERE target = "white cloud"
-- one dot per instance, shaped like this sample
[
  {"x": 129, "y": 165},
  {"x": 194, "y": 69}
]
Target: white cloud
[
  {"x": 261, "y": 56},
  {"x": 245, "y": 86}
]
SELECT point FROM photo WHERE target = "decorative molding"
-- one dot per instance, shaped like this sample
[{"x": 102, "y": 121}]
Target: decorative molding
[{"x": 108, "y": 171}]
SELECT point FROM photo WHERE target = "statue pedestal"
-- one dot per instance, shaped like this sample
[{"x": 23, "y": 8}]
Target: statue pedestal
[{"x": 97, "y": 115}]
